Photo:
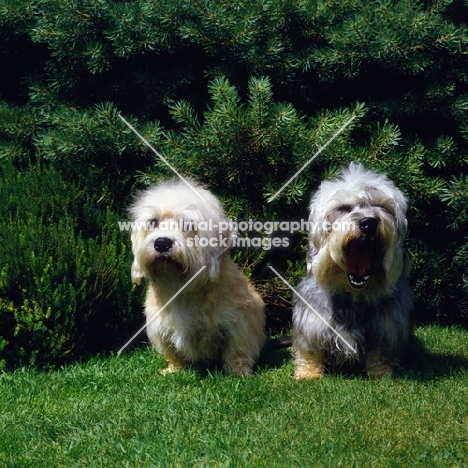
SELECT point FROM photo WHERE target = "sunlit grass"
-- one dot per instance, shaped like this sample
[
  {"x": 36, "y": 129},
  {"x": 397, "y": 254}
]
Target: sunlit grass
[{"x": 118, "y": 411}]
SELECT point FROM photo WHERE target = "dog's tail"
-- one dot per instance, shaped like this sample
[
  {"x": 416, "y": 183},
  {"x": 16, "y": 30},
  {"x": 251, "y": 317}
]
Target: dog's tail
[{"x": 278, "y": 343}]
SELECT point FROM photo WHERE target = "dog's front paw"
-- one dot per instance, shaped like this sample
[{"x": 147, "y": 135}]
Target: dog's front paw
[
  {"x": 241, "y": 371},
  {"x": 171, "y": 368},
  {"x": 377, "y": 365},
  {"x": 239, "y": 366},
  {"x": 308, "y": 366},
  {"x": 308, "y": 373}
]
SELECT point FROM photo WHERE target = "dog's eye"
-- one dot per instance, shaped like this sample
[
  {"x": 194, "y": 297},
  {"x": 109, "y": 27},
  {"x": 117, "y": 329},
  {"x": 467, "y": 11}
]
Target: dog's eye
[
  {"x": 153, "y": 223},
  {"x": 387, "y": 209},
  {"x": 344, "y": 209}
]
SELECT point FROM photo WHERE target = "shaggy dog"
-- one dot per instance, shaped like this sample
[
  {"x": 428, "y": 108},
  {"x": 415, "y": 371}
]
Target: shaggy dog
[
  {"x": 355, "y": 303},
  {"x": 180, "y": 239}
]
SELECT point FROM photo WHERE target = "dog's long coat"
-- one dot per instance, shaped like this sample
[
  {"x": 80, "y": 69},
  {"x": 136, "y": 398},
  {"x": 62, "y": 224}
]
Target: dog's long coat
[
  {"x": 355, "y": 300},
  {"x": 219, "y": 315}
]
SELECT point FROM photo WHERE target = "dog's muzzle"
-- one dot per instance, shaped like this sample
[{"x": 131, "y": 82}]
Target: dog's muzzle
[{"x": 359, "y": 253}]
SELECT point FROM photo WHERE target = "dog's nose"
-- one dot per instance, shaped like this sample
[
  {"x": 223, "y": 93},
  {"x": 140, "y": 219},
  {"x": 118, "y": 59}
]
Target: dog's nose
[
  {"x": 162, "y": 244},
  {"x": 368, "y": 225}
]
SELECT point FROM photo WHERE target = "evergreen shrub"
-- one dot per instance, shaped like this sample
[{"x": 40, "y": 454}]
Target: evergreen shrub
[
  {"x": 240, "y": 95},
  {"x": 65, "y": 290}
]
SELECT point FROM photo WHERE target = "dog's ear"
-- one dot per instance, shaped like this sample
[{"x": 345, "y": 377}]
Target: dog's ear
[
  {"x": 136, "y": 272},
  {"x": 225, "y": 234},
  {"x": 311, "y": 252},
  {"x": 222, "y": 236},
  {"x": 317, "y": 234},
  {"x": 402, "y": 225}
]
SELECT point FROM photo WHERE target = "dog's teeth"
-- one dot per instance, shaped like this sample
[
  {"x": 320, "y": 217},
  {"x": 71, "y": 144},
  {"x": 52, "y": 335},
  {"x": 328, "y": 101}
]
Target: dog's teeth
[{"x": 357, "y": 282}]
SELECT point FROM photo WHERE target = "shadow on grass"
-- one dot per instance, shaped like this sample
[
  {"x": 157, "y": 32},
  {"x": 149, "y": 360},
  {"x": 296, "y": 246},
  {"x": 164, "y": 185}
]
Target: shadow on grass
[
  {"x": 269, "y": 359},
  {"x": 418, "y": 363},
  {"x": 274, "y": 359},
  {"x": 424, "y": 365}
]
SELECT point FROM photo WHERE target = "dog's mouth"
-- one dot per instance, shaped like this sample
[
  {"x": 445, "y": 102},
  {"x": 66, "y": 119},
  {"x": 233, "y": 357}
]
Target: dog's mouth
[
  {"x": 357, "y": 282},
  {"x": 358, "y": 262},
  {"x": 165, "y": 258},
  {"x": 166, "y": 262}
]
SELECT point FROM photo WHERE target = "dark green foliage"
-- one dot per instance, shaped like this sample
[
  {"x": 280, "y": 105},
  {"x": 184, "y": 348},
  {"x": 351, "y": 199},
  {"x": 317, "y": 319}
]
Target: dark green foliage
[
  {"x": 250, "y": 147},
  {"x": 240, "y": 95},
  {"x": 64, "y": 284}
]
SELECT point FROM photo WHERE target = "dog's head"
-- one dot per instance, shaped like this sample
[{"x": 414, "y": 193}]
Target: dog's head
[
  {"x": 357, "y": 230},
  {"x": 176, "y": 229}
]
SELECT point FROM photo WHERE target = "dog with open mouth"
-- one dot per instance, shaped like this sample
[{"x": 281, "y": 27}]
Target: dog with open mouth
[{"x": 355, "y": 303}]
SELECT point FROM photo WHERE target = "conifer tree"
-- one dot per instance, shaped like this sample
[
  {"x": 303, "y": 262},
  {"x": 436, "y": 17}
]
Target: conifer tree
[{"x": 240, "y": 95}]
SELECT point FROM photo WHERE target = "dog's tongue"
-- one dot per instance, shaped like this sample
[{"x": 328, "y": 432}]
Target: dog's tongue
[{"x": 358, "y": 260}]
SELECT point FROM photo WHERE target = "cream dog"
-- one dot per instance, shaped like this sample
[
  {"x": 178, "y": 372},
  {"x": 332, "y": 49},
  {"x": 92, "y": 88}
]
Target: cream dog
[{"x": 199, "y": 306}]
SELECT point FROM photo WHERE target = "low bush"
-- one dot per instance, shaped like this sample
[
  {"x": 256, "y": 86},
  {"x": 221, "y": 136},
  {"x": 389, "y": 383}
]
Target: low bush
[
  {"x": 65, "y": 289},
  {"x": 239, "y": 95}
]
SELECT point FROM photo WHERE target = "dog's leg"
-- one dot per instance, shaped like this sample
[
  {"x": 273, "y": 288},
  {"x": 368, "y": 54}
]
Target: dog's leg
[
  {"x": 241, "y": 352},
  {"x": 377, "y": 365},
  {"x": 308, "y": 365},
  {"x": 238, "y": 363},
  {"x": 174, "y": 362}
]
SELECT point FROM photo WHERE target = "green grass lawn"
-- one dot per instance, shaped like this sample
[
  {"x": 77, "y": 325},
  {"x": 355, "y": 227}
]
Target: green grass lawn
[{"x": 118, "y": 412}]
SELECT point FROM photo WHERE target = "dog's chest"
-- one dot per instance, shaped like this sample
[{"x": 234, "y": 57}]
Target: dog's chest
[
  {"x": 189, "y": 330},
  {"x": 351, "y": 313}
]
